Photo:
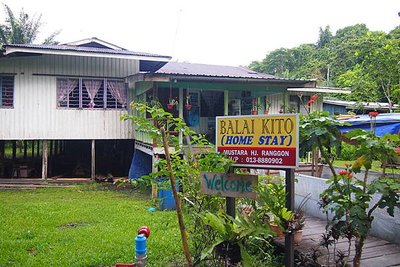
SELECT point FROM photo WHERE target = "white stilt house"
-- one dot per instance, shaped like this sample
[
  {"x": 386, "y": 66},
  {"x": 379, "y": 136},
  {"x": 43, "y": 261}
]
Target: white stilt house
[{"x": 60, "y": 95}]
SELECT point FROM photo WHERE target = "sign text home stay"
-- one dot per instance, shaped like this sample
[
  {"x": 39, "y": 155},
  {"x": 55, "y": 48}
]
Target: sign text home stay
[{"x": 259, "y": 141}]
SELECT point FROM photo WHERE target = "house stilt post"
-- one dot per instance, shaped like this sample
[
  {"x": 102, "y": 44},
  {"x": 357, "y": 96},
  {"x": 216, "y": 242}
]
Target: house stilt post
[
  {"x": 44, "y": 159},
  {"x": 93, "y": 161}
]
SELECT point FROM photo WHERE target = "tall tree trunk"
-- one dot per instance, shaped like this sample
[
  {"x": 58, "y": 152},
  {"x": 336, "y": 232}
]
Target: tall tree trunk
[
  {"x": 359, "y": 247},
  {"x": 182, "y": 227}
]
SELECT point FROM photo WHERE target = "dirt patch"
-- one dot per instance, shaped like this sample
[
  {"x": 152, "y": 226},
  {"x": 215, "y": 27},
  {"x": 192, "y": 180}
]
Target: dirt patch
[
  {"x": 73, "y": 225},
  {"x": 32, "y": 251}
]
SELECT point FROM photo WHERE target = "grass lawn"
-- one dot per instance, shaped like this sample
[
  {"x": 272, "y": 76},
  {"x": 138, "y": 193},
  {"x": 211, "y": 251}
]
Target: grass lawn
[{"x": 83, "y": 226}]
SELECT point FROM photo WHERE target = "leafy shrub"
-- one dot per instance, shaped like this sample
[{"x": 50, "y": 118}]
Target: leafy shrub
[{"x": 348, "y": 152}]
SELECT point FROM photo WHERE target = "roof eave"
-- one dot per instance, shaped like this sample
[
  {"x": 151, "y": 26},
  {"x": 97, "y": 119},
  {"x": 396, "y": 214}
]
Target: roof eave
[
  {"x": 321, "y": 90},
  {"x": 10, "y": 50},
  {"x": 223, "y": 79}
]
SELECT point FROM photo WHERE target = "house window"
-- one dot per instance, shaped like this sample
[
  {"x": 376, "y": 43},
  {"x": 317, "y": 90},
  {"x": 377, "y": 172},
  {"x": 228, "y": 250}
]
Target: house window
[
  {"x": 6, "y": 91},
  {"x": 91, "y": 93}
]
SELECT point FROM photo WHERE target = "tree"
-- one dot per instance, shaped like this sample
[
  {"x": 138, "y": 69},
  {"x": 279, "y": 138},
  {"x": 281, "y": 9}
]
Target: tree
[
  {"x": 395, "y": 33},
  {"x": 383, "y": 64},
  {"x": 344, "y": 47},
  {"x": 325, "y": 37},
  {"x": 355, "y": 57},
  {"x": 363, "y": 86},
  {"x": 22, "y": 29},
  {"x": 305, "y": 62},
  {"x": 279, "y": 62}
]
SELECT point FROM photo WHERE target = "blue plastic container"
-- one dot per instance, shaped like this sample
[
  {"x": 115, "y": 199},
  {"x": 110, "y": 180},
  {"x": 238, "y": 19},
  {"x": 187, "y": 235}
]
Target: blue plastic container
[{"x": 165, "y": 196}]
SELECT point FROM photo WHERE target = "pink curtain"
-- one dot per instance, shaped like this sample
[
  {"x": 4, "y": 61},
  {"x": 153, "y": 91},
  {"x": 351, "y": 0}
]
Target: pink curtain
[
  {"x": 118, "y": 91},
  {"x": 65, "y": 87},
  {"x": 92, "y": 87}
]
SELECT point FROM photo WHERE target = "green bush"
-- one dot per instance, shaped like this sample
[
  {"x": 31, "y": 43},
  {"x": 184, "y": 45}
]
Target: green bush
[{"x": 348, "y": 152}]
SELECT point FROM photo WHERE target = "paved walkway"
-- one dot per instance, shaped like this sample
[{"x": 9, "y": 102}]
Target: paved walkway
[{"x": 376, "y": 252}]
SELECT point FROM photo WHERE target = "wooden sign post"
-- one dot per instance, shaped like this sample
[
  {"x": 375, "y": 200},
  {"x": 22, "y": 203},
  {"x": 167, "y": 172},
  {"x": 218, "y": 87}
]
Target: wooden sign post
[
  {"x": 289, "y": 237},
  {"x": 228, "y": 184},
  {"x": 262, "y": 141}
]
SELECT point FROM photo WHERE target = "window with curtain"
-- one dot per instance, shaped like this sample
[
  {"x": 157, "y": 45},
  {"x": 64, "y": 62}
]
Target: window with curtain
[
  {"x": 91, "y": 93},
  {"x": 6, "y": 91},
  {"x": 68, "y": 93},
  {"x": 116, "y": 94},
  {"x": 92, "y": 96}
]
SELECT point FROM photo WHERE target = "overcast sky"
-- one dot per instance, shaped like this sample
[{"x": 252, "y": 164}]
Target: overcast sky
[{"x": 223, "y": 32}]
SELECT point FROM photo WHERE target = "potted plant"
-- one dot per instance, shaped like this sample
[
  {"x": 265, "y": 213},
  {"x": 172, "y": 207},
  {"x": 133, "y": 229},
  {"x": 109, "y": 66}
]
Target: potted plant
[
  {"x": 273, "y": 197},
  {"x": 231, "y": 234},
  {"x": 272, "y": 206},
  {"x": 297, "y": 221},
  {"x": 292, "y": 109},
  {"x": 282, "y": 109},
  {"x": 188, "y": 105},
  {"x": 255, "y": 106},
  {"x": 171, "y": 103},
  {"x": 267, "y": 107}
]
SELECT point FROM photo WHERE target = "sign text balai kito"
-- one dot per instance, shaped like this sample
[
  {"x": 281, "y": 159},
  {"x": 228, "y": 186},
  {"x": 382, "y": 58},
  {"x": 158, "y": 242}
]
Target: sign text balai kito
[{"x": 259, "y": 141}]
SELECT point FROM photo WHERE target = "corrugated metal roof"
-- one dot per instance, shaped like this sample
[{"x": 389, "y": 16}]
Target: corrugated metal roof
[
  {"x": 83, "y": 49},
  {"x": 205, "y": 70},
  {"x": 95, "y": 42},
  {"x": 354, "y": 104}
]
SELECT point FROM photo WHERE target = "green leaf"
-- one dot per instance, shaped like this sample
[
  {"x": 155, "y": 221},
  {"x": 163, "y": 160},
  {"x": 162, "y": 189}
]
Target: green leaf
[
  {"x": 358, "y": 164},
  {"x": 217, "y": 223},
  {"x": 247, "y": 260},
  {"x": 208, "y": 250}
]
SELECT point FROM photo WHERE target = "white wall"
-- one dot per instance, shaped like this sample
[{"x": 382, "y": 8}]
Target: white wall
[
  {"x": 384, "y": 226},
  {"x": 35, "y": 114}
]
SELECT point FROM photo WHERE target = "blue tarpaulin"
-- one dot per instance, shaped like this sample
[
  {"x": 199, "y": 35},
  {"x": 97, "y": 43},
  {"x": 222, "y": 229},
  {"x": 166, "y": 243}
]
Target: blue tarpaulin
[{"x": 386, "y": 123}]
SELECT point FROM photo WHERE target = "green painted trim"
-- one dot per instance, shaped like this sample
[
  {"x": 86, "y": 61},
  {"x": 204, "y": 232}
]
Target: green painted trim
[{"x": 225, "y": 86}]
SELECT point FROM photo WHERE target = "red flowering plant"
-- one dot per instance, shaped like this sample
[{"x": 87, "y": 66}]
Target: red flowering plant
[
  {"x": 307, "y": 106},
  {"x": 349, "y": 198},
  {"x": 373, "y": 115}
]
